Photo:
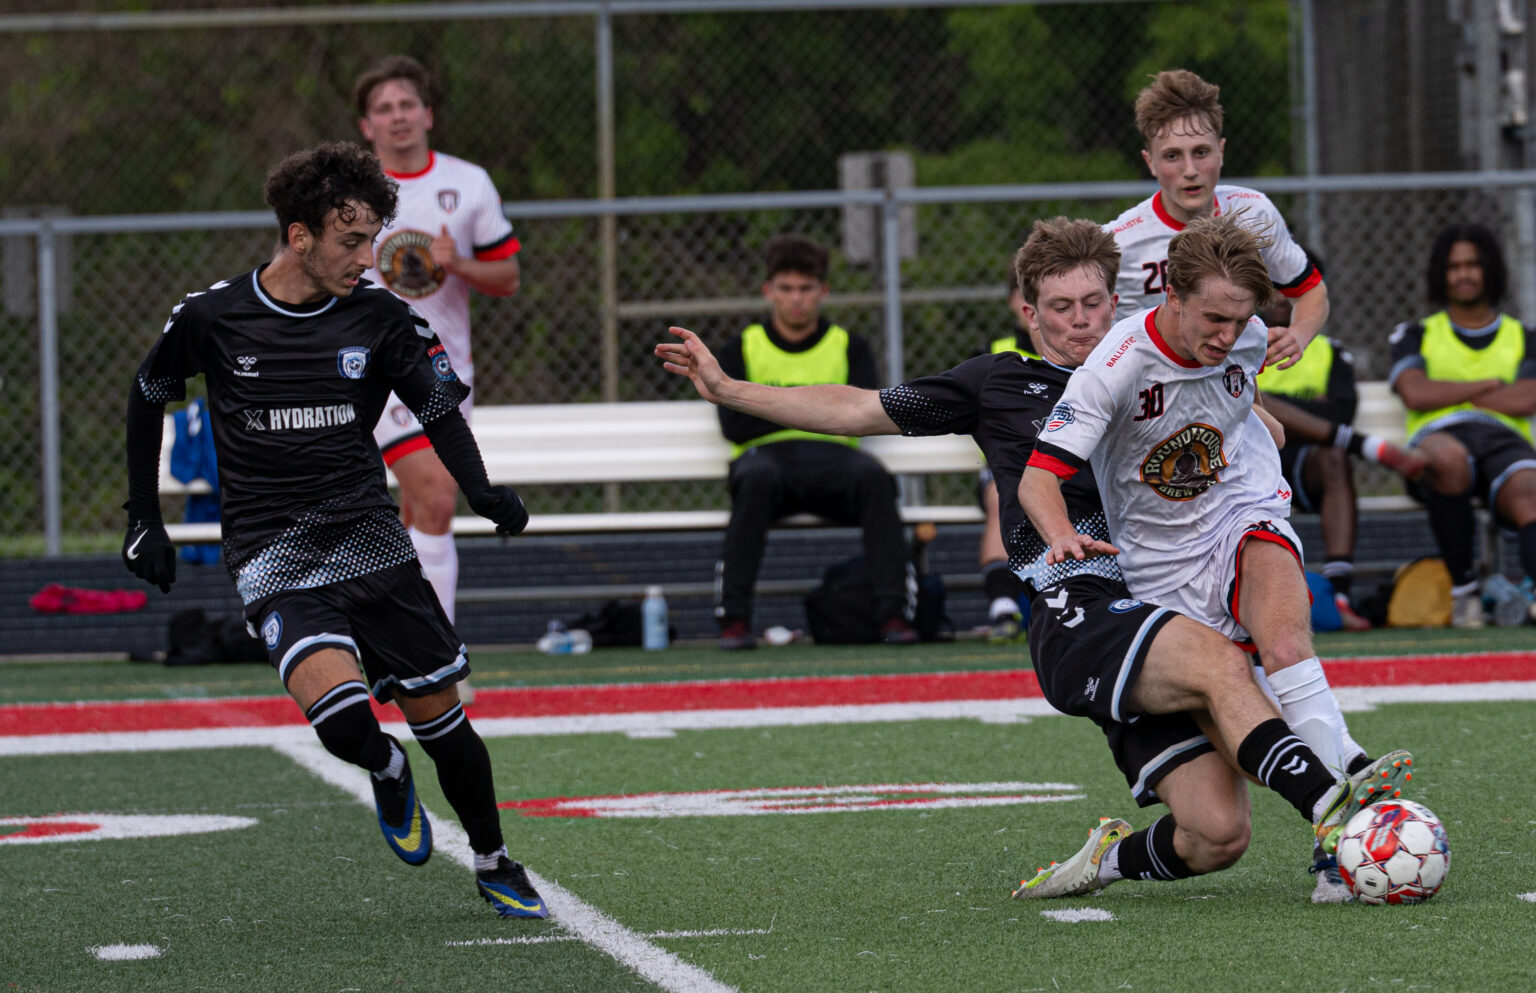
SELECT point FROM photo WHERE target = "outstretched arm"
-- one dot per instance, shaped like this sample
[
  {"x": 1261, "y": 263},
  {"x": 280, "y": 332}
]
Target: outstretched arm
[
  {"x": 829, "y": 408},
  {"x": 1040, "y": 495}
]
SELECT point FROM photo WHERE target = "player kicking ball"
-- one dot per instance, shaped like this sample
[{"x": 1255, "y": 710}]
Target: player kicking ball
[
  {"x": 299, "y": 356},
  {"x": 1164, "y": 411},
  {"x": 1183, "y": 716}
]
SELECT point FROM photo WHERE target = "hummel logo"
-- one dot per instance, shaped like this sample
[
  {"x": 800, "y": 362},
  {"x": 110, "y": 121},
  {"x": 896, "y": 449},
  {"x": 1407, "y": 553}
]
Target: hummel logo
[
  {"x": 1093, "y": 688},
  {"x": 246, "y": 361},
  {"x": 254, "y": 420},
  {"x": 133, "y": 549},
  {"x": 1058, "y": 601},
  {"x": 1296, "y": 765},
  {"x": 1037, "y": 388}
]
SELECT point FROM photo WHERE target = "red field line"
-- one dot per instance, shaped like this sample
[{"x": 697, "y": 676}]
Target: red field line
[{"x": 731, "y": 694}]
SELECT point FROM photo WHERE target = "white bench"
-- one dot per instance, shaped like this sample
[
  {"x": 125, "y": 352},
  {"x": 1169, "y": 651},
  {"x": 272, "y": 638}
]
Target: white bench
[{"x": 631, "y": 443}]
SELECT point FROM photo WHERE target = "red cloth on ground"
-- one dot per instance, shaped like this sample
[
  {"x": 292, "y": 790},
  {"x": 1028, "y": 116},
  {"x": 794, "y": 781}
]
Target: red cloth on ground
[{"x": 57, "y": 599}]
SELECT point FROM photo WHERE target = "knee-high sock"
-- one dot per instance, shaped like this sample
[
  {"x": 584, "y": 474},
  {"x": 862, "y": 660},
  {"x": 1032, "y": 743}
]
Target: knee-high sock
[
  {"x": 345, "y": 725},
  {"x": 1308, "y": 706},
  {"x": 440, "y": 561},
  {"x": 464, "y": 773},
  {"x": 1276, "y": 757},
  {"x": 1148, "y": 854}
]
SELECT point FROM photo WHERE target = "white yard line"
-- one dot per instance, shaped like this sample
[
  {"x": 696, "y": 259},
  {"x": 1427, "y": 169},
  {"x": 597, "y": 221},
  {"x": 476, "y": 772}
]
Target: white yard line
[
  {"x": 575, "y": 916},
  {"x": 544, "y": 939},
  {"x": 125, "y": 953}
]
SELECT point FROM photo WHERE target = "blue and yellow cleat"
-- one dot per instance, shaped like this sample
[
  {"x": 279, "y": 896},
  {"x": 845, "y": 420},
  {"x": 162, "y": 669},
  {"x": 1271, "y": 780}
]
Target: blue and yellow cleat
[
  {"x": 402, "y": 818},
  {"x": 507, "y": 888}
]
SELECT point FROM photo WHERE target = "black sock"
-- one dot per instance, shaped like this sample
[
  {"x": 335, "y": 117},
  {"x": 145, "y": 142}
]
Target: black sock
[
  {"x": 1340, "y": 573},
  {"x": 1274, "y": 756},
  {"x": 1527, "y": 536},
  {"x": 997, "y": 580},
  {"x": 1454, "y": 525},
  {"x": 1345, "y": 437},
  {"x": 464, "y": 773},
  {"x": 1149, "y": 853},
  {"x": 1357, "y": 763},
  {"x": 345, "y": 725}
]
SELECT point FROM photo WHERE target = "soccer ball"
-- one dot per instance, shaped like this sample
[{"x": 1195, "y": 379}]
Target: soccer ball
[{"x": 1394, "y": 852}]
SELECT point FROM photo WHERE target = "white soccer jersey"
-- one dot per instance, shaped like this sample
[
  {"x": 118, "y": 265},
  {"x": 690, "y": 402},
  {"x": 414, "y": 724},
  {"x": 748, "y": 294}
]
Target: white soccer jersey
[
  {"x": 460, "y": 195},
  {"x": 1143, "y": 232},
  {"x": 1180, "y": 457}
]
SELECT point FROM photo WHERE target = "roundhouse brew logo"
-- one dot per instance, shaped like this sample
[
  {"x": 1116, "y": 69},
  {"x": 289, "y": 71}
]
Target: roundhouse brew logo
[
  {"x": 405, "y": 263},
  {"x": 1186, "y": 464}
]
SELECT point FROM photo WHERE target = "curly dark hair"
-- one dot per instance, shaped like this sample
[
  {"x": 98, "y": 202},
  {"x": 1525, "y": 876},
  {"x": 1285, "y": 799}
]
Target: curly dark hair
[
  {"x": 1489, "y": 253},
  {"x": 335, "y": 176},
  {"x": 797, "y": 254}
]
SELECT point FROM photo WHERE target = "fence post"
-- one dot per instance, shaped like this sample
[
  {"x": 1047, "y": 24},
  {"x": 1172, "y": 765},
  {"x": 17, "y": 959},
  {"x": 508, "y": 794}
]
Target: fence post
[
  {"x": 48, "y": 384},
  {"x": 609, "y": 223}
]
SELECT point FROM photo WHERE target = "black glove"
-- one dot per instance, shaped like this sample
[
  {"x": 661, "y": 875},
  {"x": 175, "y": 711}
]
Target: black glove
[
  {"x": 502, "y": 505},
  {"x": 149, "y": 554}
]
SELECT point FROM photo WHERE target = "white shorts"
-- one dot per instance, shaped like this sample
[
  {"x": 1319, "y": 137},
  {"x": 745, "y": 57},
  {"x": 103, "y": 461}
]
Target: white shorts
[
  {"x": 1212, "y": 595},
  {"x": 399, "y": 433}
]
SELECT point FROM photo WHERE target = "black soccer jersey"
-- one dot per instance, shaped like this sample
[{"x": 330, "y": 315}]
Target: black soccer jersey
[
  {"x": 1002, "y": 400},
  {"x": 294, "y": 393}
]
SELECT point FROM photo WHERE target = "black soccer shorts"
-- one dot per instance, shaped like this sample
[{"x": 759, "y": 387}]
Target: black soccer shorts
[
  {"x": 389, "y": 620},
  {"x": 1088, "y": 639},
  {"x": 1496, "y": 453}
]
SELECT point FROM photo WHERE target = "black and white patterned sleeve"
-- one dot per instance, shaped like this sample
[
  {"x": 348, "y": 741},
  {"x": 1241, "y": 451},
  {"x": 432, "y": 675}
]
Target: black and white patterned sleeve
[{"x": 942, "y": 404}]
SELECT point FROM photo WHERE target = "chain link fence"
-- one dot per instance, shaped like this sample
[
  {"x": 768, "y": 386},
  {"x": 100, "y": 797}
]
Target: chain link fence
[{"x": 178, "y": 112}]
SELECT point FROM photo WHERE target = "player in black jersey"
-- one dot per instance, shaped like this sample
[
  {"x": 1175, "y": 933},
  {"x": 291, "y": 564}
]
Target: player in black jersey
[
  {"x": 298, "y": 357},
  {"x": 1165, "y": 689}
]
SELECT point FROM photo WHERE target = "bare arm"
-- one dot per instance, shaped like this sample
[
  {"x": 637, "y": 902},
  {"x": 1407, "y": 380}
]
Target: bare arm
[
  {"x": 1419, "y": 392},
  {"x": 829, "y": 408},
  {"x": 1309, "y": 312},
  {"x": 1517, "y": 399},
  {"x": 1040, "y": 495},
  {"x": 494, "y": 277}
]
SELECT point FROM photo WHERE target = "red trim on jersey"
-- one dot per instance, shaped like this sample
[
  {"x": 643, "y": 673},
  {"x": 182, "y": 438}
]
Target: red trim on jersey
[
  {"x": 1162, "y": 212},
  {"x": 405, "y": 446},
  {"x": 1293, "y": 292},
  {"x": 1162, "y": 346},
  {"x": 431, "y": 161},
  {"x": 1237, "y": 580},
  {"x": 1051, "y": 464},
  {"x": 501, "y": 250}
]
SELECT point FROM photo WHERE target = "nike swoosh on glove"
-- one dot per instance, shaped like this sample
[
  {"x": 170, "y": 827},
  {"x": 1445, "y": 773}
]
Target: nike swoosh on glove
[
  {"x": 149, "y": 554},
  {"x": 502, "y": 505}
]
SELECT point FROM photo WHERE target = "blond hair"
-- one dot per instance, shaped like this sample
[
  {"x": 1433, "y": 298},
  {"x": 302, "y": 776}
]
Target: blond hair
[
  {"x": 1222, "y": 247},
  {"x": 1060, "y": 245},
  {"x": 1172, "y": 96}
]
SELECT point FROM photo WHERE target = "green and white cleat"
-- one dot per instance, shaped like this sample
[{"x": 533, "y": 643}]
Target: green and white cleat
[
  {"x": 1080, "y": 873},
  {"x": 1383, "y": 779}
]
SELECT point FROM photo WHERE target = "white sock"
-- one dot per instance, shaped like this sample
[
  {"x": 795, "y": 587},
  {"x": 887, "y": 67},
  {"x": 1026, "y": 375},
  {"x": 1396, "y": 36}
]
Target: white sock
[
  {"x": 396, "y": 764},
  {"x": 1371, "y": 446},
  {"x": 440, "y": 561},
  {"x": 1308, "y": 706},
  {"x": 1002, "y": 607},
  {"x": 488, "y": 863},
  {"x": 1109, "y": 865}
]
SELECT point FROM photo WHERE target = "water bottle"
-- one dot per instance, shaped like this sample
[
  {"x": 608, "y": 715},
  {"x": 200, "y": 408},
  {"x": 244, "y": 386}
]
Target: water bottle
[
  {"x": 557, "y": 640},
  {"x": 653, "y": 619},
  {"x": 1507, "y": 602}
]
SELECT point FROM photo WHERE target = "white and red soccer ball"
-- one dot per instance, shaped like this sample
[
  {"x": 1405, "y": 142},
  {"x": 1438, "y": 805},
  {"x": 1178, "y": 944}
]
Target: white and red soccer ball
[{"x": 1394, "y": 852}]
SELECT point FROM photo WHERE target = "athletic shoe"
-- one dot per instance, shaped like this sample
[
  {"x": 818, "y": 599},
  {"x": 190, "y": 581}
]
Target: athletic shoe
[
  {"x": 1383, "y": 779},
  {"x": 736, "y": 636},
  {"x": 1409, "y": 465},
  {"x": 1467, "y": 610},
  {"x": 1330, "y": 886},
  {"x": 897, "y": 632},
  {"x": 1351, "y": 620},
  {"x": 402, "y": 818},
  {"x": 1006, "y": 629},
  {"x": 507, "y": 888},
  {"x": 1079, "y": 874}
]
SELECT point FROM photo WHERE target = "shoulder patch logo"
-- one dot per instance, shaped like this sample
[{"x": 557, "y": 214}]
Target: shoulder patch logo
[
  {"x": 1061, "y": 415},
  {"x": 352, "y": 362},
  {"x": 1185, "y": 464},
  {"x": 441, "y": 365},
  {"x": 1235, "y": 380}
]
